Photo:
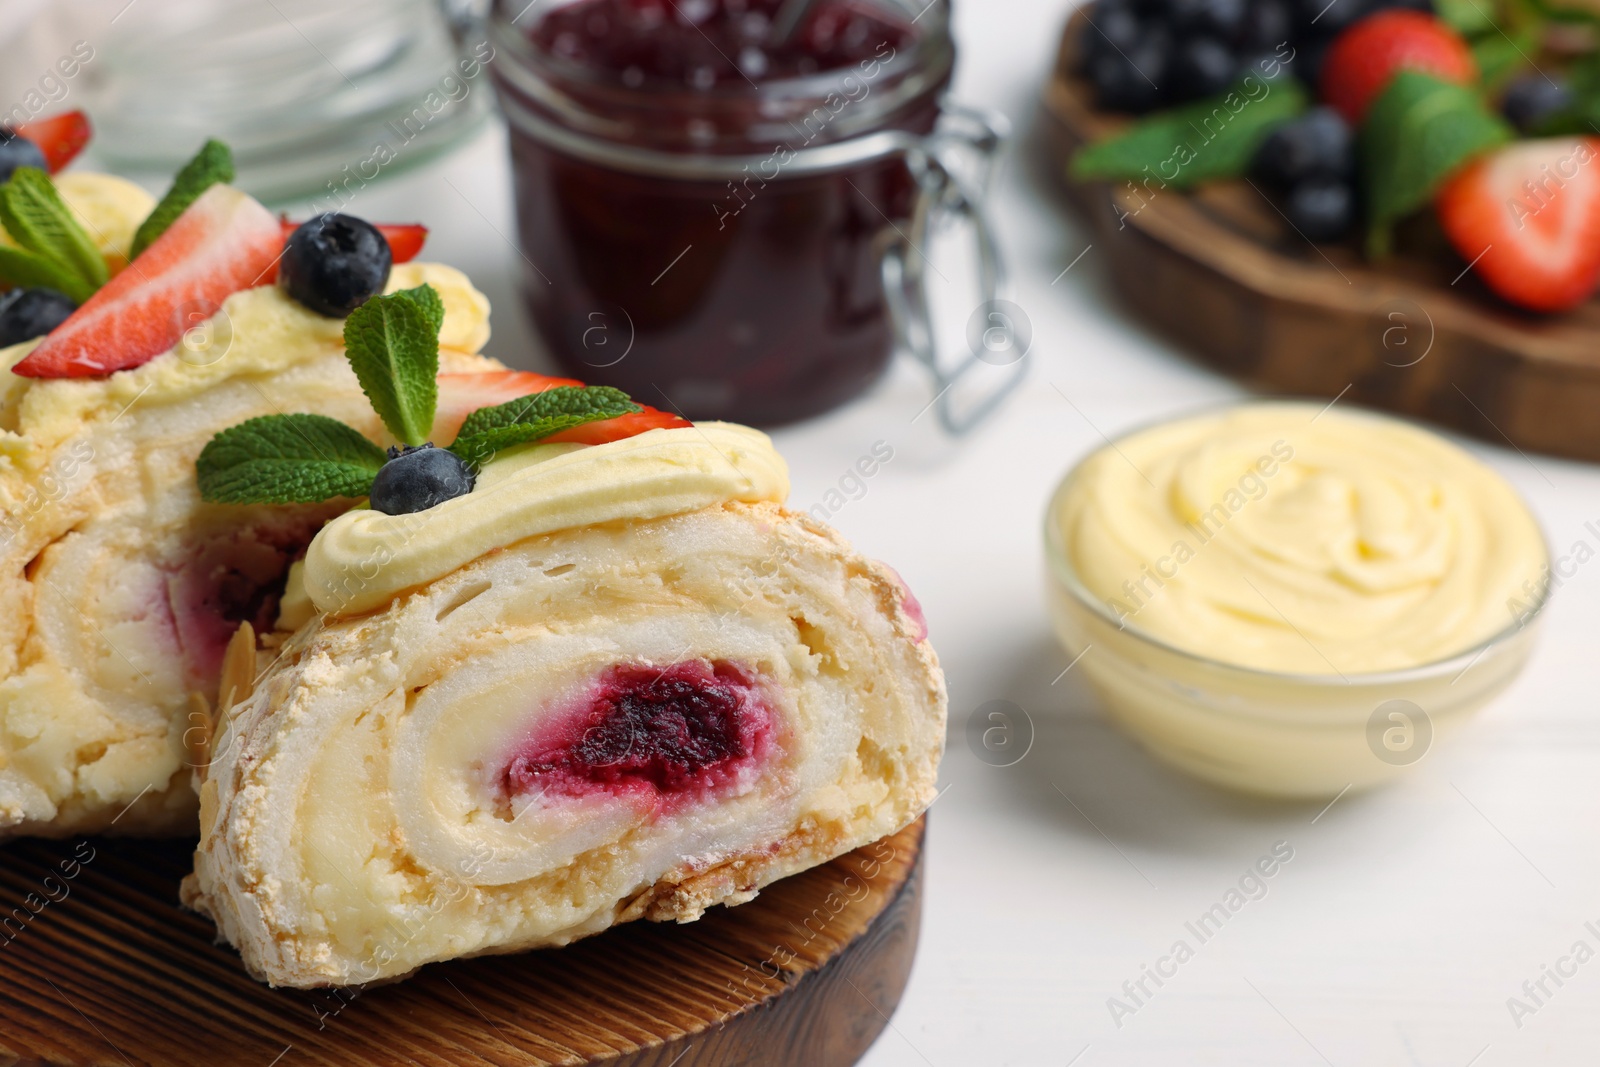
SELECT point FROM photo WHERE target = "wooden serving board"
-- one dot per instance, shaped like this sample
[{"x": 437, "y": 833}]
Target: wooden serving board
[
  {"x": 103, "y": 969},
  {"x": 1221, "y": 272}
]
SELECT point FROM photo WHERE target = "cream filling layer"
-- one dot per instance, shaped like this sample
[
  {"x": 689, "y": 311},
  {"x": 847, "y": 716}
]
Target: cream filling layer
[{"x": 363, "y": 559}]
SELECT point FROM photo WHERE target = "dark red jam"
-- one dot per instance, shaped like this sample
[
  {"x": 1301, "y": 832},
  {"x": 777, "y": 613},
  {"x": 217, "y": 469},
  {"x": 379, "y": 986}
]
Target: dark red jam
[
  {"x": 672, "y": 734},
  {"x": 705, "y": 43},
  {"x": 233, "y": 575},
  {"x": 683, "y": 244}
]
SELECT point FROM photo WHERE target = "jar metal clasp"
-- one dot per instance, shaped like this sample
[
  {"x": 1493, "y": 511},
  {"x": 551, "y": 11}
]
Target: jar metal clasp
[{"x": 951, "y": 191}]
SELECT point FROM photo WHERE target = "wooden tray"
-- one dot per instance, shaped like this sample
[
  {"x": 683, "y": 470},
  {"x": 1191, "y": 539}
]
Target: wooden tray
[
  {"x": 105, "y": 969},
  {"x": 1222, "y": 273}
]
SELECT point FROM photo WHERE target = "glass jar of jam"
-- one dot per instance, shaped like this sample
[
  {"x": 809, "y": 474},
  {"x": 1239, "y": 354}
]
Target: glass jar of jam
[{"x": 707, "y": 203}]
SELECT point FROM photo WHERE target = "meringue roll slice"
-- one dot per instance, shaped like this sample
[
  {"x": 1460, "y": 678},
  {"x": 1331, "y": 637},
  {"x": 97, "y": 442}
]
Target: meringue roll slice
[
  {"x": 670, "y": 693},
  {"x": 119, "y": 587}
]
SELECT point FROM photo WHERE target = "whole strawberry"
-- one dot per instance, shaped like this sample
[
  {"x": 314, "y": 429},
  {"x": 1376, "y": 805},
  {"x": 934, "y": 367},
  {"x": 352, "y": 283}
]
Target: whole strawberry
[{"x": 1364, "y": 58}]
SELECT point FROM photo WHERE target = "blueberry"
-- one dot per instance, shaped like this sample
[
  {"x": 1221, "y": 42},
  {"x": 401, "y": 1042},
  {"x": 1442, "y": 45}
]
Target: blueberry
[
  {"x": 1267, "y": 66},
  {"x": 18, "y": 152},
  {"x": 415, "y": 479},
  {"x": 1318, "y": 144},
  {"x": 29, "y": 313},
  {"x": 1113, "y": 30},
  {"x": 1215, "y": 18},
  {"x": 1530, "y": 99},
  {"x": 1322, "y": 209},
  {"x": 1121, "y": 86},
  {"x": 1266, "y": 25},
  {"x": 1310, "y": 54},
  {"x": 334, "y": 263},
  {"x": 1200, "y": 67},
  {"x": 1327, "y": 18},
  {"x": 1129, "y": 82}
]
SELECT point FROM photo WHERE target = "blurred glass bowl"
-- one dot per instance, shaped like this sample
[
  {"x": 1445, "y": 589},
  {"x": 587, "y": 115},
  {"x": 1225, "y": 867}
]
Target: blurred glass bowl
[{"x": 316, "y": 99}]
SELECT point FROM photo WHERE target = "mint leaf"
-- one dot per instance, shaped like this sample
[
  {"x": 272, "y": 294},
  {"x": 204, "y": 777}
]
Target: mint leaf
[
  {"x": 1470, "y": 18},
  {"x": 1199, "y": 142},
  {"x": 29, "y": 271},
  {"x": 1499, "y": 55},
  {"x": 480, "y": 448},
  {"x": 287, "y": 459},
  {"x": 392, "y": 342},
  {"x": 1562, "y": 11},
  {"x": 1418, "y": 132},
  {"x": 36, "y": 217},
  {"x": 588, "y": 402},
  {"x": 212, "y": 165},
  {"x": 427, "y": 298},
  {"x": 1583, "y": 114},
  {"x": 531, "y": 418}
]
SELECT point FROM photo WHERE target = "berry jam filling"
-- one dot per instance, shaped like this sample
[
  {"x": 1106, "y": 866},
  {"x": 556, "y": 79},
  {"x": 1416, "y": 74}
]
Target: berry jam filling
[
  {"x": 706, "y": 43},
  {"x": 668, "y": 735},
  {"x": 236, "y": 576}
]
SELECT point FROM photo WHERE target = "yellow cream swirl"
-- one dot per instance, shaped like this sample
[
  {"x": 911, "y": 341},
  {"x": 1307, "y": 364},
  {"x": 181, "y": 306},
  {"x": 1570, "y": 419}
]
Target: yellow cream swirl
[
  {"x": 1289, "y": 538},
  {"x": 363, "y": 559},
  {"x": 257, "y": 335}
]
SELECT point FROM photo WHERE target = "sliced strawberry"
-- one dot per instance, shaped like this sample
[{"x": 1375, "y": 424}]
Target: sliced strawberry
[
  {"x": 60, "y": 137},
  {"x": 1528, "y": 220},
  {"x": 462, "y": 394},
  {"x": 624, "y": 426},
  {"x": 405, "y": 238},
  {"x": 1364, "y": 58},
  {"x": 225, "y": 242}
]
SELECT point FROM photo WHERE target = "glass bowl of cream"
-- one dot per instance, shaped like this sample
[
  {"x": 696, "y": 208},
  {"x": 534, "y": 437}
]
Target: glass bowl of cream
[{"x": 1290, "y": 598}]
